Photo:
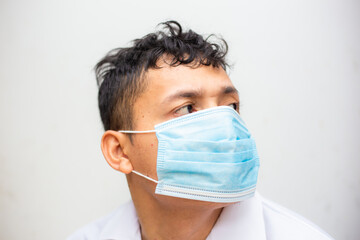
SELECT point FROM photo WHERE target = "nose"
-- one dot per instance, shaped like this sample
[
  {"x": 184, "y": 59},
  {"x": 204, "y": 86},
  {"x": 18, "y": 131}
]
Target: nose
[{"x": 210, "y": 103}]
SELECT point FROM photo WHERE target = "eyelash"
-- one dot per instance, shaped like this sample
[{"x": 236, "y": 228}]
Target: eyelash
[
  {"x": 183, "y": 107},
  {"x": 234, "y": 105}
]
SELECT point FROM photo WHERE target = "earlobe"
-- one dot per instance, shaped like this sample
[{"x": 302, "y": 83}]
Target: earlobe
[{"x": 113, "y": 148}]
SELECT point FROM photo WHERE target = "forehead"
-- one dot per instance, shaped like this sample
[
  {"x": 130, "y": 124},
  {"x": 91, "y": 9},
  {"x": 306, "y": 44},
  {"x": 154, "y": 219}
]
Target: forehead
[{"x": 203, "y": 78}]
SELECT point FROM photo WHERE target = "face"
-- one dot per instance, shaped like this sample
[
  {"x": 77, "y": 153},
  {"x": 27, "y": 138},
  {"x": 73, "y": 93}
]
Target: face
[{"x": 172, "y": 92}]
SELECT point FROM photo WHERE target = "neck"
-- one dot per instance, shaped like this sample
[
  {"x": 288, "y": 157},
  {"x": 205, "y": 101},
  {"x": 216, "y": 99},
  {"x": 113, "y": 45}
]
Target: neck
[{"x": 164, "y": 217}]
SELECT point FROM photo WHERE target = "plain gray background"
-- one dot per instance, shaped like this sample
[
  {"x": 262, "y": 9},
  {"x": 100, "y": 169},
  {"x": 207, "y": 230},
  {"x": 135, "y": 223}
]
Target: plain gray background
[{"x": 296, "y": 65}]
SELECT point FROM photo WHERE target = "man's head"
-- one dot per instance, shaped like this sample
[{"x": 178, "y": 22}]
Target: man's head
[
  {"x": 163, "y": 76},
  {"x": 121, "y": 74}
]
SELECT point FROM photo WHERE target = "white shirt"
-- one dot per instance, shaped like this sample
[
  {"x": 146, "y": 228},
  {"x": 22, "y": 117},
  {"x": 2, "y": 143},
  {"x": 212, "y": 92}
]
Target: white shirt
[{"x": 252, "y": 219}]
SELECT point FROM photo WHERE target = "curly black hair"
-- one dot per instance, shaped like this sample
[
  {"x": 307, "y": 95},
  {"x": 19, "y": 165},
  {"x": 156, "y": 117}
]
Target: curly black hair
[{"x": 120, "y": 74}]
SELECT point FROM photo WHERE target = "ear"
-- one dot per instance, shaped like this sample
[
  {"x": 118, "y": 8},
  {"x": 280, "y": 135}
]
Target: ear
[{"x": 113, "y": 146}]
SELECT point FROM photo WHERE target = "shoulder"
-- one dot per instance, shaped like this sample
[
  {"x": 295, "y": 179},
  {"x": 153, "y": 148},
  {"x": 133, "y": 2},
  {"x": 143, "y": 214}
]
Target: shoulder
[
  {"x": 113, "y": 224},
  {"x": 281, "y": 223}
]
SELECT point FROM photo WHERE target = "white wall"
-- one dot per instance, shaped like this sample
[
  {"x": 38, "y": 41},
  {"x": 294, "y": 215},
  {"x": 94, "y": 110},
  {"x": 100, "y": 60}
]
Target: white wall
[{"x": 296, "y": 66}]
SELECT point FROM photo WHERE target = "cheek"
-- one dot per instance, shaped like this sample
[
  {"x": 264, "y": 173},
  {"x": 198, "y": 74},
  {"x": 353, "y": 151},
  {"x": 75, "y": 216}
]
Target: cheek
[{"x": 144, "y": 153}]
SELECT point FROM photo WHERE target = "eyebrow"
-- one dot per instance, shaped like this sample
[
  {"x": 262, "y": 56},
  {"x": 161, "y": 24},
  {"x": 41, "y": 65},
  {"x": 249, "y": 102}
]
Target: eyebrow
[
  {"x": 230, "y": 90},
  {"x": 182, "y": 94},
  {"x": 197, "y": 93}
]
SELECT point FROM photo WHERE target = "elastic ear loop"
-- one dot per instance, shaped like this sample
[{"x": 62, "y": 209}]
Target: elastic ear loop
[
  {"x": 130, "y": 131},
  {"x": 142, "y": 175},
  {"x": 136, "y": 172}
]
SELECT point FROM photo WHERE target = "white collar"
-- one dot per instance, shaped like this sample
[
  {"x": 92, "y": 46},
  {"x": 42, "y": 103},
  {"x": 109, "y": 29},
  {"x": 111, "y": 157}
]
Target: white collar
[
  {"x": 243, "y": 220},
  {"x": 123, "y": 224}
]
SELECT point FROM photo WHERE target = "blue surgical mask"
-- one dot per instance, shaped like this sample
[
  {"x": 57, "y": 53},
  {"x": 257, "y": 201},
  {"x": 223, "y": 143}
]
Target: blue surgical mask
[{"x": 208, "y": 155}]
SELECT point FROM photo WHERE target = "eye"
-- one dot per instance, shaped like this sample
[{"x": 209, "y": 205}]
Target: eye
[
  {"x": 234, "y": 105},
  {"x": 185, "y": 110}
]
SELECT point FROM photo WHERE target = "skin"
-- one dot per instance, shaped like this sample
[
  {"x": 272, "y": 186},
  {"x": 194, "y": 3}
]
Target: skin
[{"x": 171, "y": 92}]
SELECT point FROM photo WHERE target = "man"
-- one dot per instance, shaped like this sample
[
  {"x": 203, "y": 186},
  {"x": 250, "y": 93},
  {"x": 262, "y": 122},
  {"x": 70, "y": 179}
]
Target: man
[{"x": 172, "y": 125}]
